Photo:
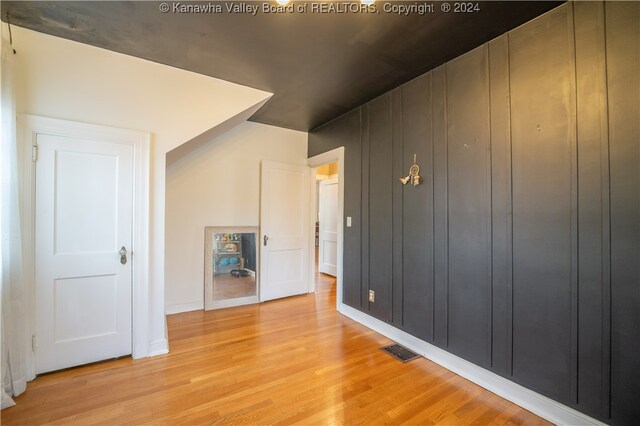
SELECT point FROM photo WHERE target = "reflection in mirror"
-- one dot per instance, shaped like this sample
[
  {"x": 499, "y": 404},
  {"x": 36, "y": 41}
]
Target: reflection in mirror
[
  {"x": 234, "y": 265},
  {"x": 230, "y": 276}
]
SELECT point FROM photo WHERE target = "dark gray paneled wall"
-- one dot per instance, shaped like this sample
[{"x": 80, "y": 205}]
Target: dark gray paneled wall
[
  {"x": 414, "y": 223},
  {"x": 469, "y": 206},
  {"x": 379, "y": 208},
  {"x": 520, "y": 251},
  {"x": 543, "y": 159},
  {"x": 501, "y": 223},
  {"x": 593, "y": 215},
  {"x": 623, "y": 89}
]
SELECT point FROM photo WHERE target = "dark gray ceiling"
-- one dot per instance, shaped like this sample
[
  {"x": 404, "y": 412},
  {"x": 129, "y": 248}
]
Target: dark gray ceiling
[{"x": 317, "y": 65}]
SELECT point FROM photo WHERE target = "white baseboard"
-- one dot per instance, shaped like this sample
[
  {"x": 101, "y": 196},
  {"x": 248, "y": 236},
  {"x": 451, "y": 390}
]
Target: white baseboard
[
  {"x": 159, "y": 347},
  {"x": 183, "y": 307},
  {"x": 544, "y": 407}
]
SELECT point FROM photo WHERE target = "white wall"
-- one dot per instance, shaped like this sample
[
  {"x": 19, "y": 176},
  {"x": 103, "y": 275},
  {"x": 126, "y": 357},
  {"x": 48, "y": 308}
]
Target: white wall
[
  {"x": 217, "y": 185},
  {"x": 72, "y": 81}
]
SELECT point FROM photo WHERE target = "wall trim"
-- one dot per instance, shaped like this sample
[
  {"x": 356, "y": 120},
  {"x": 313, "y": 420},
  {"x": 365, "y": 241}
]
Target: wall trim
[
  {"x": 159, "y": 347},
  {"x": 28, "y": 129},
  {"x": 544, "y": 407},
  {"x": 178, "y": 308}
]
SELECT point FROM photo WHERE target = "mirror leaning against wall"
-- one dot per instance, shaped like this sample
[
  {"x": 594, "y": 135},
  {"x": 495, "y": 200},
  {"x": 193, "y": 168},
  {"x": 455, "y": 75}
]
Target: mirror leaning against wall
[{"x": 231, "y": 266}]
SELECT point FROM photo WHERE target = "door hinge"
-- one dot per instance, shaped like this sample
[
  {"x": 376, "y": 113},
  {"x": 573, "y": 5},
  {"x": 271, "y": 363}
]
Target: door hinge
[
  {"x": 33, "y": 343},
  {"x": 34, "y": 153}
]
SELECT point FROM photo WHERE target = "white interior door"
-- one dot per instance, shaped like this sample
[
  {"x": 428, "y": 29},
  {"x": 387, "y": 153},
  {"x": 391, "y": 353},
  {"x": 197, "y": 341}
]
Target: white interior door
[
  {"x": 84, "y": 212},
  {"x": 328, "y": 232},
  {"x": 284, "y": 230}
]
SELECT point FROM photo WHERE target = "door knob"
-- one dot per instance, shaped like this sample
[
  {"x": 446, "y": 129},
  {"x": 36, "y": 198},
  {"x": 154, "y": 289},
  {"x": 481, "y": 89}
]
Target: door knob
[
  {"x": 265, "y": 239},
  {"x": 123, "y": 255}
]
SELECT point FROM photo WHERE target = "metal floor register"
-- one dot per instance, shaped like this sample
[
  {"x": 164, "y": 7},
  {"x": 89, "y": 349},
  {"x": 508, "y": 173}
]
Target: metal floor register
[{"x": 400, "y": 352}]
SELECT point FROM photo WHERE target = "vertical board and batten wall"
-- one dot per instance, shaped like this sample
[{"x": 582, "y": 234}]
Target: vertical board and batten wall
[
  {"x": 623, "y": 90},
  {"x": 544, "y": 205},
  {"x": 520, "y": 250}
]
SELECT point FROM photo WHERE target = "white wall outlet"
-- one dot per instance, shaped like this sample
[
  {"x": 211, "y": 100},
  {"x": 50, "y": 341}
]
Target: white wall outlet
[
  {"x": 372, "y": 296},
  {"x": 348, "y": 221}
]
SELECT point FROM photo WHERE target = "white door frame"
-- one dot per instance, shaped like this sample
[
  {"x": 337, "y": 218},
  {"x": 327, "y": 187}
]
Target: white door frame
[
  {"x": 313, "y": 162},
  {"x": 29, "y": 126}
]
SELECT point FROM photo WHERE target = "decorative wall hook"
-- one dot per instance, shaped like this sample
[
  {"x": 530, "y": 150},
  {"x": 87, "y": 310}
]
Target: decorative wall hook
[{"x": 414, "y": 174}]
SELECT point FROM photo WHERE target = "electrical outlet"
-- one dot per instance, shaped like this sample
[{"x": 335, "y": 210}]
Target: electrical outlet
[
  {"x": 372, "y": 296},
  {"x": 348, "y": 221}
]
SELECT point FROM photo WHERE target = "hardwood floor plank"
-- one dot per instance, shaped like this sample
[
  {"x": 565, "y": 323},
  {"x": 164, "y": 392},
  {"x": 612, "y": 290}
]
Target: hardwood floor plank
[{"x": 289, "y": 361}]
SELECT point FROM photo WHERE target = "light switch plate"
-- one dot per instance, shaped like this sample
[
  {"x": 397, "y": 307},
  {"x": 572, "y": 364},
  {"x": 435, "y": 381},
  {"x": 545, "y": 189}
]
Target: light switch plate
[{"x": 348, "y": 221}]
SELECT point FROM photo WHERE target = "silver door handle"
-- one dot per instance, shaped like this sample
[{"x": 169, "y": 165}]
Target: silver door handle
[
  {"x": 265, "y": 239},
  {"x": 123, "y": 255}
]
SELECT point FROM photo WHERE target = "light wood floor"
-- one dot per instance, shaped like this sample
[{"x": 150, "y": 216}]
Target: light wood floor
[{"x": 289, "y": 361}]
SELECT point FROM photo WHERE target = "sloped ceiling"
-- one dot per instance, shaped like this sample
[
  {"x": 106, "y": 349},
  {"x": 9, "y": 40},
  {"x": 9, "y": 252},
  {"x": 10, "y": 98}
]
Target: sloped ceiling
[{"x": 318, "y": 63}]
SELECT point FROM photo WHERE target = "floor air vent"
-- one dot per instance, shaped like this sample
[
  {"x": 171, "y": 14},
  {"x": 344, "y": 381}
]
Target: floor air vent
[{"x": 400, "y": 352}]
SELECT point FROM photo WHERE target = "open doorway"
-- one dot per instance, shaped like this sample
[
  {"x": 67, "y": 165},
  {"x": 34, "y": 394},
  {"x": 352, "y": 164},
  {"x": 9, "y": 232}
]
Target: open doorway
[
  {"x": 326, "y": 226},
  {"x": 321, "y": 282}
]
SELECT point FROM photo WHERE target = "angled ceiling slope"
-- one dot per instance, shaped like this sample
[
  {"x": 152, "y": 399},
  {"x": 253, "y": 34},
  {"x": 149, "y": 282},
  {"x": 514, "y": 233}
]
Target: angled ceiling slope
[
  {"x": 178, "y": 107},
  {"x": 211, "y": 134},
  {"x": 317, "y": 65}
]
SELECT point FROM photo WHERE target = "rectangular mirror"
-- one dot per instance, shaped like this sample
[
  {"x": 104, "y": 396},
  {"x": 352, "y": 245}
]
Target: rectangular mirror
[{"x": 231, "y": 266}]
